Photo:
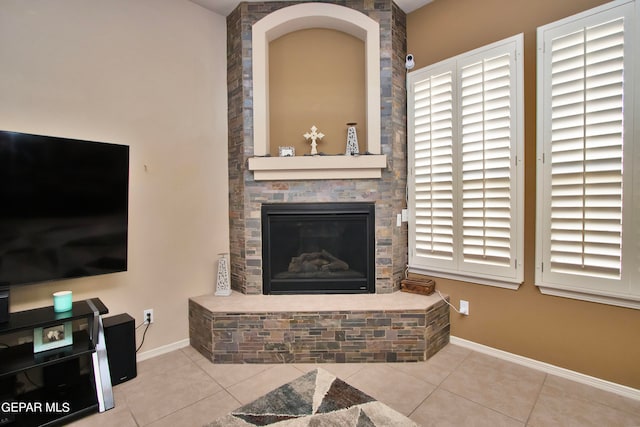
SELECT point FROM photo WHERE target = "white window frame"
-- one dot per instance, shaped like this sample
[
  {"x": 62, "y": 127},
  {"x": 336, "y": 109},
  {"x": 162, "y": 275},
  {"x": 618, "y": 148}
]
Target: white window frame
[
  {"x": 455, "y": 266},
  {"x": 623, "y": 290}
]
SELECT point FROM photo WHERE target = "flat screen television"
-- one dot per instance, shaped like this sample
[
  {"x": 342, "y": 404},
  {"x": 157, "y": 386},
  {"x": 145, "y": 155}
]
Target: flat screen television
[{"x": 63, "y": 208}]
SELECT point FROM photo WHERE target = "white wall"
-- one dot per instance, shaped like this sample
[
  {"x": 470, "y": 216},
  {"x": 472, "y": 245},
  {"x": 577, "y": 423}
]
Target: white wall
[{"x": 150, "y": 74}]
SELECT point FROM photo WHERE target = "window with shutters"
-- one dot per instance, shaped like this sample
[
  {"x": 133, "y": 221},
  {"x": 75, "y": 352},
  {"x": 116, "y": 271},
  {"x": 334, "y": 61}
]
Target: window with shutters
[
  {"x": 465, "y": 136},
  {"x": 587, "y": 201}
]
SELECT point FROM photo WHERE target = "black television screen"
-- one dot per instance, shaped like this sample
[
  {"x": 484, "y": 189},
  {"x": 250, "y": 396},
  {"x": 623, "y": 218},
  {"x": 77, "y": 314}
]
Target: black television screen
[{"x": 63, "y": 208}]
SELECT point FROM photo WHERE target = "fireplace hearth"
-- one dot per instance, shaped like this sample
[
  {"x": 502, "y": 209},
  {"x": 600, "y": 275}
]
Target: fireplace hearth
[{"x": 318, "y": 248}]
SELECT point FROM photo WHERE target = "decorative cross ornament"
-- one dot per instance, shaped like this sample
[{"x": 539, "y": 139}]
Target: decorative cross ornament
[{"x": 313, "y": 136}]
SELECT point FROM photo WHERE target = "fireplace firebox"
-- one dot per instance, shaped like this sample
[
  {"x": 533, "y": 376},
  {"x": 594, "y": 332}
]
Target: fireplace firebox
[{"x": 315, "y": 248}]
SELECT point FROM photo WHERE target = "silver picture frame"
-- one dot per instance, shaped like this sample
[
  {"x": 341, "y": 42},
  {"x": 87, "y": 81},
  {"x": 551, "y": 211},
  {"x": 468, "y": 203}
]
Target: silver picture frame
[
  {"x": 51, "y": 337},
  {"x": 286, "y": 151}
]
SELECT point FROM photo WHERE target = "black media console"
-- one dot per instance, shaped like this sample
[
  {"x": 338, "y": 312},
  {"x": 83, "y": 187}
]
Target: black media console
[{"x": 54, "y": 385}]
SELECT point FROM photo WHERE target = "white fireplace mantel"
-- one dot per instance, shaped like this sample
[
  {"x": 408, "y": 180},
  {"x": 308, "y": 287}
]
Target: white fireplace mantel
[{"x": 318, "y": 167}]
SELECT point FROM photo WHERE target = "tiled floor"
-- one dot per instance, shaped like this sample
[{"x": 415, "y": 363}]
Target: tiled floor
[{"x": 456, "y": 387}]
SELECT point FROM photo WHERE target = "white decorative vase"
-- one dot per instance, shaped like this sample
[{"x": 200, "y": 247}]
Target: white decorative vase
[
  {"x": 223, "y": 286},
  {"x": 352, "y": 140}
]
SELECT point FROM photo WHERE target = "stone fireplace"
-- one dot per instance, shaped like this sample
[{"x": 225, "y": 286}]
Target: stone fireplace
[
  {"x": 325, "y": 328},
  {"x": 248, "y": 194}
]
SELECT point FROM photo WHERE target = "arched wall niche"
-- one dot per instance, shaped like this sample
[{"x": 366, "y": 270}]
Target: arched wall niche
[
  {"x": 305, "y": 16},
  {"x": 316, "y": 77}
]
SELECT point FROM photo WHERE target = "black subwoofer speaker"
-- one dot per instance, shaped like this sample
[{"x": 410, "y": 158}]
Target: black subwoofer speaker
[{"x": 120, "y": 339}]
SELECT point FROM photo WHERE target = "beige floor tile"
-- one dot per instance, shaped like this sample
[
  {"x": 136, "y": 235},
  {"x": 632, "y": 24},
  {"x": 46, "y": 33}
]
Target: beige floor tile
[
  {"x": 201, "y": 412},
  {"x": 157, "y": 395},
  {"x": 570, "y": 411},
  {"x": 263, "y": 382},
  {"x": 567, "y": 402},
  {"x": 423, "y": 371},
  {"x": 561, "y": 387},
  {"x": 160, "y": 363},
  {"x": 450, "y": 357},
  {"x": 444, "y": 409},
  {"x": 193, "y": 354},
  {"x": 437, "y": 368},
  {"x": 131, "y": 384},
  {"x": 391, "y": 386},
  {"x": 230, "y": 374},
  {"x": 340, "y": 370},
  {"x": 496, "y": 384},
  {"x": 119, "y": 416}
]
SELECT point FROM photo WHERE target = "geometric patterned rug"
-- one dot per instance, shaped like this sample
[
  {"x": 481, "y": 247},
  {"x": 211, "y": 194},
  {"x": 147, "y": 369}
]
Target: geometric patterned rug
[{"x": 316, "y": 399}]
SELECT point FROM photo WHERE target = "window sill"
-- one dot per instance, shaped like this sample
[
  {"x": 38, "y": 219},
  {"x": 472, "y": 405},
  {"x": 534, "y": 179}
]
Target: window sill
[
  {"x": 498, "y": 282},
  {"x": 618, "y": 300},
  {"x": 318, "y": 167}
]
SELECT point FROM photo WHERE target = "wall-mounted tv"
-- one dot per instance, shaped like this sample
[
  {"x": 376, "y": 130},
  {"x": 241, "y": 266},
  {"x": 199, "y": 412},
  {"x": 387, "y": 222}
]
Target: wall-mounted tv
[{"x": 63, "y": 208}]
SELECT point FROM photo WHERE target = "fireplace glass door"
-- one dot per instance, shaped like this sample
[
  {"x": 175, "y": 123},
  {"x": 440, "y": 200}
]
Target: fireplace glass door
[{"x": 318, "y": 248}]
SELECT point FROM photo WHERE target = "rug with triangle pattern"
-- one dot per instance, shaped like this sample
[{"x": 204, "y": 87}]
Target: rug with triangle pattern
[{"x": 316, "y": 399}]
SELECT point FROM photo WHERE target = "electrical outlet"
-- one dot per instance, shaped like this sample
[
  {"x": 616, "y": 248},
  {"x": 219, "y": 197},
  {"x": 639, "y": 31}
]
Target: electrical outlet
[
  {"x": 464, "y": 307},
  {"x": 148, "y": 315}
]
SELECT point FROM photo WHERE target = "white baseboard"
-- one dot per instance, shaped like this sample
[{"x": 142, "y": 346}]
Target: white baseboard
[
  {"x": 162, "y": 350},
  {"x": 620, "y": 389}
]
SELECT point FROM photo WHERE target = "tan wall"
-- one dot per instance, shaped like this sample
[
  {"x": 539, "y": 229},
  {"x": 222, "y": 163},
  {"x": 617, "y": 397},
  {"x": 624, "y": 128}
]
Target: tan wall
[
  {"x": 316, "y": 77},
  {"x": 595, "y": 339},
  {"x": 150, "y": 74}
]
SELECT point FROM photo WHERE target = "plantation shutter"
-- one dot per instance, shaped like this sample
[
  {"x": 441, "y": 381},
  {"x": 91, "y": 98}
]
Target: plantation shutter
[
  {"x": 486, "y": 141},
  {"x": 465, "y": 187},
  {"x": 587, "y": 82},
  {"x": 588, "y": 206},
  {"x": 433, "y": 166}
]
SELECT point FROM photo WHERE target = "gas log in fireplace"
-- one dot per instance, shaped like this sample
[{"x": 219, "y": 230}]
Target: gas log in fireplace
[{"x": 318, "y": 248}]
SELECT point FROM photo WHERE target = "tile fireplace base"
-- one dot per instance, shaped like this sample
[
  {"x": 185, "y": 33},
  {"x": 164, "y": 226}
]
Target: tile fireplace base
[{"x": 397, "y": 327}]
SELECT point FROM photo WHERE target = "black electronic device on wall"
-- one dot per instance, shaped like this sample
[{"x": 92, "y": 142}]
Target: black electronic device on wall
[{"x": 120, "y": 339}]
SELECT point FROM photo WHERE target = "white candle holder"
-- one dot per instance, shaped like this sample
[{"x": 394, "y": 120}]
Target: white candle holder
[
  {"x": 352, "y": 140},
  {"x": 223, "y": 285}
]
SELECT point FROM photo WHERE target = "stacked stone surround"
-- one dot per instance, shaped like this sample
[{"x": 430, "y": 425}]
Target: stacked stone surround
[
  {"x": 246, "y": 195},
  {"x": 226, "y": 336}
]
